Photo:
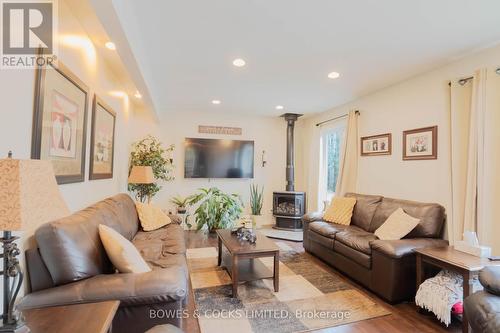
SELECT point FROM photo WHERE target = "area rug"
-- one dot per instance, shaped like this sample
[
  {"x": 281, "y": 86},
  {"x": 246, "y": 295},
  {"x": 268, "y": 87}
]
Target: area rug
[
  {"x": 309, "y": 297},
  {"x": 294, "y": 236}
]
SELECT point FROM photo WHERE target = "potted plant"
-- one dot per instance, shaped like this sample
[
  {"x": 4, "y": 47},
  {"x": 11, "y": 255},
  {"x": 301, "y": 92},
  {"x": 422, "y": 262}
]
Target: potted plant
[
  {"x": 150, "y": 152},
  {"x": 181, "y": 203},
  {"x": 256, "y": 201},
  {"x": 216, "y": 210}
]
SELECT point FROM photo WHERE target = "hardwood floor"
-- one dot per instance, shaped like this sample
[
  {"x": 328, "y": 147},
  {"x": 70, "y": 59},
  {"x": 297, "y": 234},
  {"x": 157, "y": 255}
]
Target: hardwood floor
[{"x": 404, "y": 318}]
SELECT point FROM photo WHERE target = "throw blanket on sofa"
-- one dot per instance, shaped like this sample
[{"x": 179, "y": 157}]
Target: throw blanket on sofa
[{"x": 440, "y": 293}]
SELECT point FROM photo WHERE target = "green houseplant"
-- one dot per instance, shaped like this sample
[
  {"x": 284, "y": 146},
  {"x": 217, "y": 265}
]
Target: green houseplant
[
  {"x": 256, "y": 202},
  {"x": 216, "y": 210},
  {"x": 181, "y": 202},
  {"x": 150, "y": 152}
]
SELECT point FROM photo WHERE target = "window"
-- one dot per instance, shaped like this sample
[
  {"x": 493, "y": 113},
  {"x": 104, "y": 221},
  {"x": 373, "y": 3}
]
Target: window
[{"x": 331, "y": 144}]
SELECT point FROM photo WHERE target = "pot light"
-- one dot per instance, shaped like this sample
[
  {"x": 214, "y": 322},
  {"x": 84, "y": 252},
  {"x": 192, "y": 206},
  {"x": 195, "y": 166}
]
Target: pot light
[
  {"x": 110, "y": 46},
  {"x": 137, "y": 95},
  {"x": 333, "y": 75},
  {"x": 279, "y": 107},
  {"x": 216, "y": 102},
  {"x": 239, "y": 62}
]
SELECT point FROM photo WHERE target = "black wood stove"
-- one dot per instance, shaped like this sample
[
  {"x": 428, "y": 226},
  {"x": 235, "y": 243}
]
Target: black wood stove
[{"x": 289, "y": 206}]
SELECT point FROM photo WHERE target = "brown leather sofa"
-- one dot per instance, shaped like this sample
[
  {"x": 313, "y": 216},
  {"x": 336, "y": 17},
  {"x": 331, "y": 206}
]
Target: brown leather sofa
[
  {"x": 385, "y": 267},
  {"x": 70, "y": 266}
]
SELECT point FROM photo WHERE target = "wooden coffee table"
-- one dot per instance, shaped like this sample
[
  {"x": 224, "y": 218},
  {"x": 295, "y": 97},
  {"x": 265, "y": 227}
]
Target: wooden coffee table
[
  {"x": 460, "y": 262},
  {"x": 240, "y": 263}
]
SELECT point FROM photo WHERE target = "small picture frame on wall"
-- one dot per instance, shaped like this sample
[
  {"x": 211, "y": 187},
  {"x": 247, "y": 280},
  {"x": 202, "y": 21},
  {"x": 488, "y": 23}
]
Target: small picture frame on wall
[
  {"x": 60, "y": 122},
  {"x": 102, "y": 140},
  {"x": 420, "y": 143},
  {"x": 376, "y": 145}
]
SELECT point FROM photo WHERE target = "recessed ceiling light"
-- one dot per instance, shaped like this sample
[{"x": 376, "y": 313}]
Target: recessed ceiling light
[
  {"x": 137, "y": 95},
  {"x": 216, "y": 102},
  {"x": 239, "y": 62},
  {"x": 110, "y": 46},
  {"x": 333, "y": 75},
  {"x": 279, "y": 107}
]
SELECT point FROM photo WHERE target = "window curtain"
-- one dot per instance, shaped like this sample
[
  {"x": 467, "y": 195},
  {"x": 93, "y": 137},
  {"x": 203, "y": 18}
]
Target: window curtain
[
  {"x": 467, "y": 114},
  {"x": 348, "y": 169}
]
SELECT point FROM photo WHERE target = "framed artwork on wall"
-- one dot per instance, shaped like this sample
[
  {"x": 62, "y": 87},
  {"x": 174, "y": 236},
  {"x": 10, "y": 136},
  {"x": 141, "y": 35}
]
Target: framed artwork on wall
[
  {"x": 102, "y": 142},
  {"x": 60, "y": 122},
  {"x": 376, "y": 145},
  {"x": 420, "y": 144}
]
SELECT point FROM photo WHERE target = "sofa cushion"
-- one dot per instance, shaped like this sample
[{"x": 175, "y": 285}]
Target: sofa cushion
[
  {"x": 431, "y": 216},
  {"x": 327, "y": 229},
  {"x": 71, "y": 247},
  {"x": 321, "y": 239},
  {"x": 356, "y": 238},
  {"x": 361, "y": 258},
  {"x": 122, "y": 253},
  {"x": 151, "y": 216},
  {"x": 365, "y": 208}
]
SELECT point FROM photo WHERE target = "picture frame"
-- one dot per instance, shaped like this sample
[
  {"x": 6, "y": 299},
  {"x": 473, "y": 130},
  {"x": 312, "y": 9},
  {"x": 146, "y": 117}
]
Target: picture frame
[
  {"x": 420, "y": 143},
  {"x": 102, "y": 140},
  {"x": 59, "y": 129},
  {"x": 376, "y": 145}
]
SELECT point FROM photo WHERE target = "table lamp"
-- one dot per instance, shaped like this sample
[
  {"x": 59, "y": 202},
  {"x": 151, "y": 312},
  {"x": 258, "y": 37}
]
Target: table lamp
[
  {"x": 141, "y": 175},
  {"x": 29, "y": 195}
]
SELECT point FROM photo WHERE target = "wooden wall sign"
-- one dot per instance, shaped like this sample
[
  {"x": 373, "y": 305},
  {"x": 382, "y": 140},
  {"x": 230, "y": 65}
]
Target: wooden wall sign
[{"x": 219, "y": 130}]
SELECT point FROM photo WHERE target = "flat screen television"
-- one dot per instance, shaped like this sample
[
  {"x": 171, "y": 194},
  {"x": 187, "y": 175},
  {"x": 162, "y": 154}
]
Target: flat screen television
[{"x": 213, "y": 158}]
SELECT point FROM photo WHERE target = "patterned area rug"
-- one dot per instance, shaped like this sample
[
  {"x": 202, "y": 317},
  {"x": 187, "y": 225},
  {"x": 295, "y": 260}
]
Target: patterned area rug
[{"x": 309, "y": 297}]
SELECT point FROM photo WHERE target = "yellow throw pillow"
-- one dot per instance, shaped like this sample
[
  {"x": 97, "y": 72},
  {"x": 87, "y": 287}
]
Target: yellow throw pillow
[
  {"x": 151, "y": 217},
  {"x": 340, "y": 210}
]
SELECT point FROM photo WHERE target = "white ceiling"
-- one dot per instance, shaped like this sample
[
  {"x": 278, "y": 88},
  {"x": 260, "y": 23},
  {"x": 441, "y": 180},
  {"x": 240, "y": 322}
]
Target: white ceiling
[{"x": 184, "y": 48}]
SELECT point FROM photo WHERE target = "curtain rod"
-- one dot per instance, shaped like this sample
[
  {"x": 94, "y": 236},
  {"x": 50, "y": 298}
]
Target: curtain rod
[
  {"x": 339, "y": 117},
  {"x": 465, "y": 79}
]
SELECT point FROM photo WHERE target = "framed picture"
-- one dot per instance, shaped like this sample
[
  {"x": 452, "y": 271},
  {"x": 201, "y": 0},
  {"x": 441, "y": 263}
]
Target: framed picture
[
  {"x": 376, "y": 145},
  {"x": 102, "y": 144},
  {"x": 60, "y": 122},
  {"x": 420, "y": 144}
]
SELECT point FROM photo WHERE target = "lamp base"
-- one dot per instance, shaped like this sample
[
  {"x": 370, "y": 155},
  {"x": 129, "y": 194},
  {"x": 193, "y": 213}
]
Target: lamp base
[{"x": 18, "y": 327}]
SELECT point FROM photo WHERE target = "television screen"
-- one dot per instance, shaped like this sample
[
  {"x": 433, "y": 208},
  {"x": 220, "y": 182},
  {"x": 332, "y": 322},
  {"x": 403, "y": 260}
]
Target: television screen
[{"x": 212, "y": 158}]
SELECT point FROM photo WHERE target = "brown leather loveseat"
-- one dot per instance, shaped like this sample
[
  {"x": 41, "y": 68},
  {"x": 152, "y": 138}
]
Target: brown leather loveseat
[
  {"x": 387, "y": 267},
  {"x": 70, "y": 266}
]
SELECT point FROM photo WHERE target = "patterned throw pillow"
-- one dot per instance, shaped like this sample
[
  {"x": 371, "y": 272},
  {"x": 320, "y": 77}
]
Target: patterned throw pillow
[
  {"x": 340, "y": 210},
  {"x": 151, "y": 217},
  {"x": 397, "y": 225}
]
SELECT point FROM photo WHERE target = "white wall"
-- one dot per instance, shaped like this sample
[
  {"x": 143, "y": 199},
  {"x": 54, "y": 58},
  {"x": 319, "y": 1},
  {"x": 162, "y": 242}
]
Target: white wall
[
  {"x": 269, "y": 134},
  {"x": 418, "y": 102}
]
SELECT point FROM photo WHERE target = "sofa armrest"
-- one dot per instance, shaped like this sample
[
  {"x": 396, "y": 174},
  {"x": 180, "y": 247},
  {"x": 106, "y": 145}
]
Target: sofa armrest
[
  {"x": 402, "y": 247},
  {"x": 158, "y": 286},
  {"x": 490, "y": 279},
  {"x": 313, "y": 216}
]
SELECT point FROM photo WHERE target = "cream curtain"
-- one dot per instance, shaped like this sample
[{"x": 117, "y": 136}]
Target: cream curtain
[
  {"x": 467, "y": 112},
  {"x": 314, "y": 171},
  {"x": 348, "y": 169}
]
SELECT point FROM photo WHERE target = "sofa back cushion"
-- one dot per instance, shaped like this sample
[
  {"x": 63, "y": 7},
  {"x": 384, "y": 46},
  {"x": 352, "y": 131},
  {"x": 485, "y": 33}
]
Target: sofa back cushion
[
  {"x": 365, "y": 208},
  {"x": 71, "y": 247},
  {"x": 431, "y": 215}
]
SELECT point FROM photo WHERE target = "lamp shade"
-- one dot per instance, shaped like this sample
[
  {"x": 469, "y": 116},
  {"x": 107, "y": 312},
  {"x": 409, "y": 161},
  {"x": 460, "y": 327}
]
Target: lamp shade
[
  {"x": 141, "y": 175},
  {"x": 29, "y": 194}
]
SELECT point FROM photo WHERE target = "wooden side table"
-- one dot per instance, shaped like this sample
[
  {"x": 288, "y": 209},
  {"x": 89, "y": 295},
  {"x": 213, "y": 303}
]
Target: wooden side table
[
  {"x": 460, "y": 262},
  {"x": 76, "y": 318}
]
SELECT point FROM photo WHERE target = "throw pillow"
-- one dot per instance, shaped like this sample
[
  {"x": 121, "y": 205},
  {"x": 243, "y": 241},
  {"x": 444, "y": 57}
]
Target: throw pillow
[
  {"x": 397, "y": 225},
  {"x": 122, "y": 253},
  {"x": 340, "y": 210},
  {"x": 151, "y": 217}
]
